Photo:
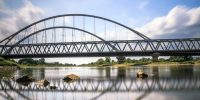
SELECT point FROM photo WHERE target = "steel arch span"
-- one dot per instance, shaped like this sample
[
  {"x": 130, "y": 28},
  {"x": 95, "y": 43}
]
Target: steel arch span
[
  {"x": 44, "y": 21},
  {"x": 12, "y": 48},
  {"x": 86, "y": 36}
]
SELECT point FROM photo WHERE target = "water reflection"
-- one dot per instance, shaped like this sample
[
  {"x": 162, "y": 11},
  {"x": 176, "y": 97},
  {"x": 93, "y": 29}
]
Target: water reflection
[
  {"x": 121, "y": 72},
  {"x": 106, "y": 83},
  {"x": 108, "y": 72}
]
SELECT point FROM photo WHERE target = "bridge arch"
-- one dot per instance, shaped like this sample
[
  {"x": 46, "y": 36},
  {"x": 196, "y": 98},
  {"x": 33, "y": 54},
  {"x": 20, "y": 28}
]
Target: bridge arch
[
  {"x": 59, "y": 27},
  {"x": 9, "y": 39}
]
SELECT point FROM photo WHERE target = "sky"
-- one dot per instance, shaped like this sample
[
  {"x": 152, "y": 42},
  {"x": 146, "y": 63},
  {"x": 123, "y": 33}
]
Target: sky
[{"x": 154, "y": 18}]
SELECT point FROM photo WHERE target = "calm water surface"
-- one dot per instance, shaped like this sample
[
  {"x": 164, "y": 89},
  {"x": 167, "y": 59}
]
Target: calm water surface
[{"x": 107, "y": 83}]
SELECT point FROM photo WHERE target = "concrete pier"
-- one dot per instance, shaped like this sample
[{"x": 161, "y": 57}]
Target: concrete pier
[{"x": 155, "y": 57}]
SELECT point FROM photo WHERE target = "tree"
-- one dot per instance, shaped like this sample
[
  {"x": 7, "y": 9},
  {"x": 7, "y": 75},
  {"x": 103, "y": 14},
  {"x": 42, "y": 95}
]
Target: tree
[
  {"x": 27, "y": 61},
  {"x": 128, "y": 60},
  {"x": 107, "y": 60},
  {"x": 41, "y": 61},
  {"x": 113, "y": 61},
  {"x": 188, "y": 58},
  {"x": 162, "y": 59},
  {"x": 100, "y": 61},
  {"x": 180, "y": 58},
  {"x": 145, "y": 59}
]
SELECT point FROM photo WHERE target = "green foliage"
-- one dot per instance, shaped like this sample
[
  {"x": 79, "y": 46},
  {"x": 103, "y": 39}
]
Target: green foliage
[
  {"x": 1, "y": 59},
  {"x": 113, "y": 62},
  {"x": 32, "y": 62},
  {"x": 180, "y": 58},
  {"x": 100, "y": 61},
  {"x": 4, "y": 62},
  {"x": 128, "y": 60},
  {"x": 27, "y": 61},
  {"x": 144, "y": 61},
  {"x": 41, "y": 61},
  {"x": 161, "y": 60},
  {"x": 107, "y": 60}
]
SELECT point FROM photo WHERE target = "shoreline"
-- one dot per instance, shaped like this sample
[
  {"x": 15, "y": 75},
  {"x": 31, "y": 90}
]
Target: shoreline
[
  {"x": 9, "y": 68},
  {"x": 152, "y": 64},
  {"x": 168, "y": 65},
  {"x": 126, "y": 65},
  {"x": 155, "y": 64}
]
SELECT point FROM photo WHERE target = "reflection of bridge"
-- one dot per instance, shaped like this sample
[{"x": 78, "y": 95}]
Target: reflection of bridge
[
  {"x": 87, "y": 35},
  {"x": 113, "y": 85}
]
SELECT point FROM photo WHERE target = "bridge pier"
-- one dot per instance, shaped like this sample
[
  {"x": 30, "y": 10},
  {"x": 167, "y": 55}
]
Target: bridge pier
[
  {"x": 155, "y": 57},
  {"x": 120, "y": 59}
]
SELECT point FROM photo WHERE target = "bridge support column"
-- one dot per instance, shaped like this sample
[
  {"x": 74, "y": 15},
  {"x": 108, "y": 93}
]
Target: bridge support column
[
  {"x": 120, "y": 59},
  {"x": 155, "y": 57}
]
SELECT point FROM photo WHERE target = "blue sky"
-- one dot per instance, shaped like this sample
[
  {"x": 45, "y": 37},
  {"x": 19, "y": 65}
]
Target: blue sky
[
  {"x": 132, "y": 12},
  {"x": 154, "y": 18}
]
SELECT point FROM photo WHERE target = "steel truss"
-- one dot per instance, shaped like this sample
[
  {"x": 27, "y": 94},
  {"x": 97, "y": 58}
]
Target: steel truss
[{"x": 166, "y": 47}]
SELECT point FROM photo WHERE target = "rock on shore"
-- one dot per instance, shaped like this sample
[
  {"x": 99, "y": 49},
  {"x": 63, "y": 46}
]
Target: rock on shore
[
  {"x": 141, "y": 74},
  {"x": 71, "y": 77},
  {"x": 25, "y": 80},
  {"x": 42, "y": 83}
]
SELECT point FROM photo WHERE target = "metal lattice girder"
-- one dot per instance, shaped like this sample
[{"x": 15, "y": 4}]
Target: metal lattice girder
[{"x": 166, "y": 47}]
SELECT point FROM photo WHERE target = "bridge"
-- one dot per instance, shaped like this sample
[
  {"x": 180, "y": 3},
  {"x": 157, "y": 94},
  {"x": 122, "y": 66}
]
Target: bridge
[{"x": 82, "y": 35}]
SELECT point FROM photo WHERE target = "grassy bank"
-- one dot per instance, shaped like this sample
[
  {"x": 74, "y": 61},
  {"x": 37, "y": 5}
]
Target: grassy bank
[
  {"x": 7, "y": 67},
  {"x": 7, "y": 63},
  {"x": 148, "y": 63},
  {"x": 166, "y": 63}
]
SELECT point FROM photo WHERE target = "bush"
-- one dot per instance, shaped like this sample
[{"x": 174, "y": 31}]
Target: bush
[{"x": 1, "y": 59}]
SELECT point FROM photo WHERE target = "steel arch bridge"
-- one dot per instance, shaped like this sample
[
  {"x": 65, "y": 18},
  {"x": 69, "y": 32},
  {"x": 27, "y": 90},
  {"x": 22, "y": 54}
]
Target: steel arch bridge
[{"x": 82, "y": 35}]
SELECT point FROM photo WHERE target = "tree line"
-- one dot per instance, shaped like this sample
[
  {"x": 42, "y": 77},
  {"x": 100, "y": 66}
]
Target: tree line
[
  {"x": 41, "y": 61},
  {"x": 120, "y": 60},
  {"x": 107, "y": 61}
]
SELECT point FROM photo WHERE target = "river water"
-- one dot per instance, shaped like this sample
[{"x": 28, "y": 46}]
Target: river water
[{"x": 107, "y": 83}]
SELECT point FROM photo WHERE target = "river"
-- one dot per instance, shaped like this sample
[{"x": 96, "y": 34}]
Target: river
[{"x": 107, "y": 83}]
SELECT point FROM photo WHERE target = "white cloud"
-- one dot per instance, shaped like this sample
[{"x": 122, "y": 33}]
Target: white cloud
[
  {"x": 180, "y": 20},
  {"x": 2, "y": 4},
  {"x": 18, "y": 18},
  {"x": 3, "y": 8}
]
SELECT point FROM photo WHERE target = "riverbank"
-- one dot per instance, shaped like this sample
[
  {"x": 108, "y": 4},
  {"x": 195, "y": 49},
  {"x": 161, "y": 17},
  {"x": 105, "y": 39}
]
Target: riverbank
[
  {"x": 7, "y": 67},
  {"x": 8, "y": 64},
  {"x": 152, "y": 64},
  {"x": 186, "y": 63},
  {"x": 147, "y": 64}
]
